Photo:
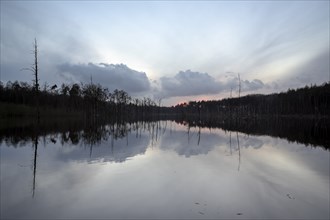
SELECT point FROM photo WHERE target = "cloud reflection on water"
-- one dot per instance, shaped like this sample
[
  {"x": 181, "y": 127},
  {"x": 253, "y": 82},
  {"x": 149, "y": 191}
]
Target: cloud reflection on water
[{"x": 172, "y": 177}]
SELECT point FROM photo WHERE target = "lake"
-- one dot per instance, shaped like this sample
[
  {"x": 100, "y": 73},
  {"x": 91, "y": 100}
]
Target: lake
[{"x": 162, "y": 170}]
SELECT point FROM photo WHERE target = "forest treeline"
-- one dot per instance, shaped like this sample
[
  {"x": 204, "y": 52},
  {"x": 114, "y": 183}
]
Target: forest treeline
[
  {"x": 82, "y": 100},
  {"x": 93, "y": 100},
  {"x": 307, "y": 101}
]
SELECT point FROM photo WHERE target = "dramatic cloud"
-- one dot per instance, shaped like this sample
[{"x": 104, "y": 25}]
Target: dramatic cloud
[
  {"x": 252, "y": 85},
  {"x": 189, "y": 83},
  {"x": 263, "y": 42},
  {"x": 112, "y": 76},
  {"x": 246, "y": 85}
]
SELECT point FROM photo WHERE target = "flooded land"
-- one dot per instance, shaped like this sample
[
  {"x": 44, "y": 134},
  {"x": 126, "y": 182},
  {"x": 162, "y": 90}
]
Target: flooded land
[
  {"x": 264, "y": 169},
  {"x": 164, "y": 110}
]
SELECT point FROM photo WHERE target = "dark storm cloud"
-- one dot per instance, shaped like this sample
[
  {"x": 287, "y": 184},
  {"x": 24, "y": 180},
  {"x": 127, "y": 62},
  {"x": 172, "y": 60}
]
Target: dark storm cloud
[
  {"x": 246, "y": 85},
  {"x": 189, "y": 83},
  {"x": 252, "y": 85},
  {"x": 112, "y": 76}
]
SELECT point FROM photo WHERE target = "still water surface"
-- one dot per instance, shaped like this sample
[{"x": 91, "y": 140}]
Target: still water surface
[{"x": 162, "y": 170}]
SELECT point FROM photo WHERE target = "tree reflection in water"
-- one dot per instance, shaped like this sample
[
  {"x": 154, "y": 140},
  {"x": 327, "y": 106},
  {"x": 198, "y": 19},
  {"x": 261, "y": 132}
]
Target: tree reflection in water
[
  {"x": 80, "y": 158},
  {"x": 35, "y": 145},
  {"x": 311, "y": 132}
]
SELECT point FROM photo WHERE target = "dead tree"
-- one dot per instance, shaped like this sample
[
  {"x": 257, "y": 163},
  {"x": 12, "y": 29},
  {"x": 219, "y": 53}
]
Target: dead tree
[{"x": 34, "y": 68}]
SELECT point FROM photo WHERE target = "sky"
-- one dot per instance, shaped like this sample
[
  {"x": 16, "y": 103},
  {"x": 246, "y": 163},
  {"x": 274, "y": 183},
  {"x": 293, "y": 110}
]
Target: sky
[{"x": 175, "y": 51}]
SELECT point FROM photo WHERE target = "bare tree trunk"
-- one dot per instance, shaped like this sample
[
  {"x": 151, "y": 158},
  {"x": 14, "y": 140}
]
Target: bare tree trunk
[{"x": 35, "y": 68}]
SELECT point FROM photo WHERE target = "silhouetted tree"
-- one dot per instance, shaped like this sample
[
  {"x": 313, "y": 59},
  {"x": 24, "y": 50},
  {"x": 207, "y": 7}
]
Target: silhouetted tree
[{"x": 34, "y": 68}]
